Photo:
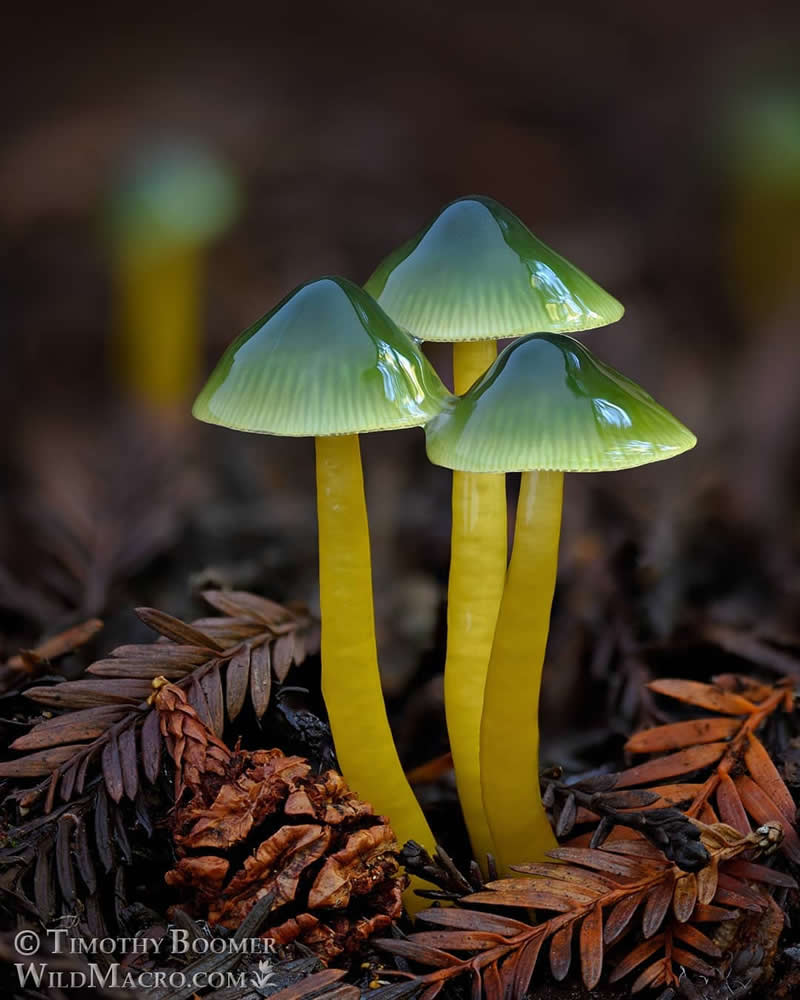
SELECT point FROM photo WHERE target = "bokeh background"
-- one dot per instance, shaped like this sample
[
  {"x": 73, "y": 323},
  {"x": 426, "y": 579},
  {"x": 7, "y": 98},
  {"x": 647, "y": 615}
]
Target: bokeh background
[{"x": 655, "y": 145}]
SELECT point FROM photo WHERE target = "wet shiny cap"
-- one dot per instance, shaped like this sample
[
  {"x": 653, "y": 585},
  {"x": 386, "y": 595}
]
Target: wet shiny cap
[
  {"x": 547, "y": 403},
  {"x": 326, "y": 360},
  {"x": 172, "y": 194},
  {"x": 478, "y": 273}
]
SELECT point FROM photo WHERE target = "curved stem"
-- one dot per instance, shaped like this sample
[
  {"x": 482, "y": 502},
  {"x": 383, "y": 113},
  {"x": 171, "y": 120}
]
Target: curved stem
[
  {"x": 351, "y": 684},
  {"x": 158, "y": 295},
  {"x": 479, "y": 553},
  {"x": 510, "y": 727}
]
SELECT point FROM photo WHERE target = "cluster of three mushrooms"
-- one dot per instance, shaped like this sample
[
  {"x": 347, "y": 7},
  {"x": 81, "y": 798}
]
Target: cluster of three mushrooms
[{"x": 328, "y": 362}]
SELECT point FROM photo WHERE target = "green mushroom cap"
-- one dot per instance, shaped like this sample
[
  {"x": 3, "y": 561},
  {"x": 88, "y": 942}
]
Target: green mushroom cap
[
  {"x": 547, "y": 403},
  {"x": 173, "y": 194},
  {"x": 478, "y": 273},
  {"x": 326, "y": 360}
]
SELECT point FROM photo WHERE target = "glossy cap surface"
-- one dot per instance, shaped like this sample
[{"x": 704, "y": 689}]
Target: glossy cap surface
[
  {"x": 478, "y": 273},
  {"x": 175, "y": 194},
  {"x": 326, "y": 360},
  {"x": 547, "y": 403}
]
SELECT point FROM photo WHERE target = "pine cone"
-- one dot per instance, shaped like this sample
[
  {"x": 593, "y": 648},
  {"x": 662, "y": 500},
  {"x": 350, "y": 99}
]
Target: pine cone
[{"x": 332, "y": 864}]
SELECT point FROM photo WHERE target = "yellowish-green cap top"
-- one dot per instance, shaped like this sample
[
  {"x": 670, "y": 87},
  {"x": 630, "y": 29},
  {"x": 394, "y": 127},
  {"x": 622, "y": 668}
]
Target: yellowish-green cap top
[
  {"x": 548, "y": 403},
  {"x": 327, "y": 360},
  {"x": 478, "y": 273}
]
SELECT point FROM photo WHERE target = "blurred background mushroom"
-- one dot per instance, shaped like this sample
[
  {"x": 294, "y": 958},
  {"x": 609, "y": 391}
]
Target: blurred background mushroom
[
  {"x": 169, "y": 203},
  {"x": 602, "y": 127}
]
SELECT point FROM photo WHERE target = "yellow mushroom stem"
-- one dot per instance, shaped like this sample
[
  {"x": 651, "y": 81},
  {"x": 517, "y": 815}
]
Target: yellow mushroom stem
[
  {"x": 351, "y": 684},
  {"x": 479, "y": 553},
  {"x": 158, "y": 304},
  {"x": 510, "y": 727}
]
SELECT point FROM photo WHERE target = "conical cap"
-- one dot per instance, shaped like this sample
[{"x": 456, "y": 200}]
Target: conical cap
[
  {"x": 478, "y": 273},
  {"x": 327, "y": 360},
  {"x": 547, "y": 403}
]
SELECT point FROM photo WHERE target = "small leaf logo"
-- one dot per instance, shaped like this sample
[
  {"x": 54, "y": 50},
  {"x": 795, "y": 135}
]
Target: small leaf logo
[{"x": 264, "y": 974}]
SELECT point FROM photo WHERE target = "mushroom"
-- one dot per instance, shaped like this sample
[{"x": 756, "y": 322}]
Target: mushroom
[
  {"x": 545, "y": 407},
  {"x": 328, "y": 363},
  {"x": 474, "y": 275},
  {"x": 167, "y": 206},
  {"x": 758, "y": 147}
]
